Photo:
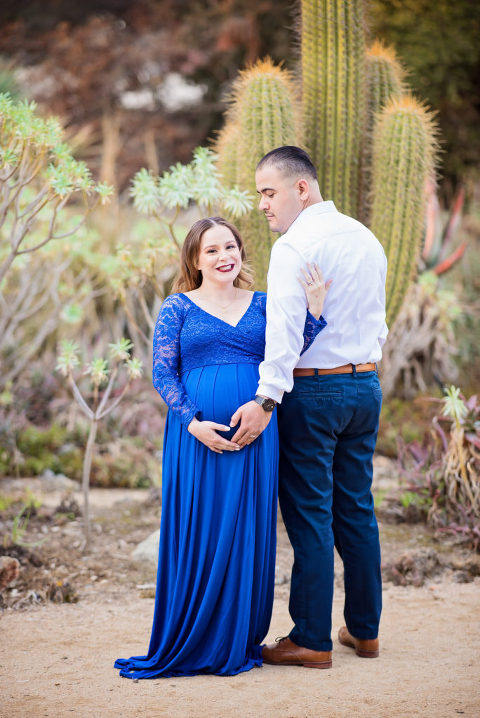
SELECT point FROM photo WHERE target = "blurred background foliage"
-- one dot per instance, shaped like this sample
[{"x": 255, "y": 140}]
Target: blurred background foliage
[
  {"x": 140, "y": 85},
  {"x": 438, "y": 41},
  {"x": 110, "y": 69}
]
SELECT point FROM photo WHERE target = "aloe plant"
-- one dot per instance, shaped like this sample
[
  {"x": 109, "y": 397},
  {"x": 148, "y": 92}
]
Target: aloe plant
[
  {"x": 100, "y": 374},
  {"x": 38, "y": 178},
  {"x": 332, "y": 41},
  {"x": 199, "y": 182},
  {"x": 45, "y": 198},
  {"x": 439, "y": 235},
  {"x": 403, "y": 159}
]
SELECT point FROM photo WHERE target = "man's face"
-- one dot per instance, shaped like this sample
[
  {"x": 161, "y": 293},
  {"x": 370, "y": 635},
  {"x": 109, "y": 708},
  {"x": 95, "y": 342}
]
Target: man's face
[{"x": 281, "y": 197}]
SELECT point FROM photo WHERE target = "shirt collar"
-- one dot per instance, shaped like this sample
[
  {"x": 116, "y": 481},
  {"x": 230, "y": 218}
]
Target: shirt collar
[{"x": 313, "y": 210}]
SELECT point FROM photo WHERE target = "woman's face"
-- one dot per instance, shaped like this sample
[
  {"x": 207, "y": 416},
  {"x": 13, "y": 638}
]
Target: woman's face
[{"x": 219, "y": 257}]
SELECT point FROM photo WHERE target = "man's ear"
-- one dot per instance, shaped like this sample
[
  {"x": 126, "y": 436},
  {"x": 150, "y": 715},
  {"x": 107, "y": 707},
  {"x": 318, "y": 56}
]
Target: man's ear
[{"x": 303, "y": 189}]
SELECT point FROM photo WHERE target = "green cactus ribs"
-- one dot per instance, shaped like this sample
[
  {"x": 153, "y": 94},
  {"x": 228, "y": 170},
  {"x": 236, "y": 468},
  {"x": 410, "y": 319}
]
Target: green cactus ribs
[
  {"x": 262, "y": 116},
  {"x": 403, "y": 161},
  {"x": 384, "y": 80},
  {"x": 332, "y": 40}
]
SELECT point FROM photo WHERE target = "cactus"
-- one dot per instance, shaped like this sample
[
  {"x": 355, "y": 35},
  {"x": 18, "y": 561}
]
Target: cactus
[
  {"x": 384, "y": 80},
  {"x": 344, "y": 89},
  {"x": 261, "y": 117},
  {"x": 332, "y": 40},
  {"x": 403, "y": 158},
  {"x": 226, "y": 146}
]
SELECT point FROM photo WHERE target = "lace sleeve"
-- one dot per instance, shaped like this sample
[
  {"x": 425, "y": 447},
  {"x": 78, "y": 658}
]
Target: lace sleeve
[
  {"x": 312, "y": 328},
  {"x": 166, "y": 359}
]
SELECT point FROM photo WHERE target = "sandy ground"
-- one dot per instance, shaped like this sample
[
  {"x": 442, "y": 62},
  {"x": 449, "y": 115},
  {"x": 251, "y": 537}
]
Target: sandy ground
[{"x": 57, "y": 660}]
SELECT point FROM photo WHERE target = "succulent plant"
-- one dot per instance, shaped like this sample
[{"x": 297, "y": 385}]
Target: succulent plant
[
  {"x": 403, "y": 160},
  {"x": 437, "y": 254},
  {"x": 332, "y": 41},
  {"x": 100, "y": 373},
  {"x": 262, "y": 116},
  {"x": 384, "y": 81}
]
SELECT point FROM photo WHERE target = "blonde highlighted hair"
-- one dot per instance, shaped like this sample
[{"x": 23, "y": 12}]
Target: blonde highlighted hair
[{"x": 189, "y": 277}]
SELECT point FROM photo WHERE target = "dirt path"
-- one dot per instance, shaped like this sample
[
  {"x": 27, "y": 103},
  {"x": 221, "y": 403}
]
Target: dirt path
[{"x": 56, "y": 660}]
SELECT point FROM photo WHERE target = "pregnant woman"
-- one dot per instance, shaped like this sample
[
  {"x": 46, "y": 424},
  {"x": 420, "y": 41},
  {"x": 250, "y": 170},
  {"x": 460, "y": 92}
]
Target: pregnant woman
[{"x": 216, "y": 562}]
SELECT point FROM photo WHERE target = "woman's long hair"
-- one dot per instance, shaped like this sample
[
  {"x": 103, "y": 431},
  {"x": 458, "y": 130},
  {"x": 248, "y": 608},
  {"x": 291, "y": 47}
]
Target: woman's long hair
[{"x": 189, "y": 277}]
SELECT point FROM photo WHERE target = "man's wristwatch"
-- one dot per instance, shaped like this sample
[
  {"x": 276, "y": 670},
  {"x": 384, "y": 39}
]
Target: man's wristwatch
[{"x": 265, "y": 403}]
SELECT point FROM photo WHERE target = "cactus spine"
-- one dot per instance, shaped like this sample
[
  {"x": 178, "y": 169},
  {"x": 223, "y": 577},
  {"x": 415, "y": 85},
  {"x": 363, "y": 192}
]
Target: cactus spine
[
  {"x": 403, "y": 159},
  {"x": 384, "y": 80},
  {"x": 338, "y": 80},
  {"x": 226, "y": 146},
  {"x": 333, "y": 94},
  {"x": 261, "y": 117}
]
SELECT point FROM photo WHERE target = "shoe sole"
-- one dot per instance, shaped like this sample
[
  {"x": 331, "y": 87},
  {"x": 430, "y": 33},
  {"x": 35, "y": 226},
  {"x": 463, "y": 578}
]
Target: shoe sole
[
  {"x": 362, "y": 653},
  {"x": 324, "y": 664}
]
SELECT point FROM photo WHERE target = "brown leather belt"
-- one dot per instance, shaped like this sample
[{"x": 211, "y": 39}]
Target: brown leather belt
[{"x": 344, "y": 369}]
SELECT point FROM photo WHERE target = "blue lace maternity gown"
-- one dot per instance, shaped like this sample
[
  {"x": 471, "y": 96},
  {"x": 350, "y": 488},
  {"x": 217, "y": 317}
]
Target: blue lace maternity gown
[{"x": 216, "y": 562}]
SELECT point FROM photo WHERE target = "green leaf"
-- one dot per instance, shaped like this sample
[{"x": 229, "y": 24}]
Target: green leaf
[
  {"x": 60, "y": 181},
  {"x": 72, "y": 314},
  {"x": 145, "y": 192},
  {"x": 121, "y": 350},
  {"x": 68, "y": 357},
  {"x": 104, "y": 191},
  {"x": 176, "y": 186},
  {"x": 237, "y": 202},
  {"x": 98, "y": 370},
  {"x": 135, "y": 368},
  {"x": 453, "y": 405}
]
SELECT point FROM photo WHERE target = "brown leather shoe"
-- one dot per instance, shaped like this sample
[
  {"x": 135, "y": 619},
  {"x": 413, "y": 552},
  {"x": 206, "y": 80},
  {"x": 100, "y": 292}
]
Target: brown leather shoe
[
  {"x": 365, "y": 648},
  {"x": 286, "y": 653}
]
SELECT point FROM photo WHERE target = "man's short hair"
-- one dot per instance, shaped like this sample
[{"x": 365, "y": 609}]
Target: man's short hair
[{"x": 291, "y": 160}]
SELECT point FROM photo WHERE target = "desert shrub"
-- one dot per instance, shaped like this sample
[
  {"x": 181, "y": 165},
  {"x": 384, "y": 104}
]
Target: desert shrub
[{"x": 444, "y": 470}]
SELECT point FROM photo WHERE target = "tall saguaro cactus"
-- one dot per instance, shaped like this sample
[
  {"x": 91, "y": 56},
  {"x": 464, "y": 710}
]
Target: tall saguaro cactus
[
  {"x": 333, "y": 94},
  {"x": 372, "y": 144},
  {"x": 384, "y": 80},
  {"x": 403, "y": 160},
  {"x": 262, "y": 116},
  {"x": 226, "y": 147}
]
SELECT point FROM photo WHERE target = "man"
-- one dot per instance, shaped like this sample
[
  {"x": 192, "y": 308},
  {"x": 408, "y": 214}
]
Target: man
[{"x": 330, "y": 405}]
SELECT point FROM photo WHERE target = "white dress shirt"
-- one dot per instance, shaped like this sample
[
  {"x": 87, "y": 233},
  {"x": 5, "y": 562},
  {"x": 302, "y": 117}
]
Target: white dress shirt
[{"x": 349, "y": 254}]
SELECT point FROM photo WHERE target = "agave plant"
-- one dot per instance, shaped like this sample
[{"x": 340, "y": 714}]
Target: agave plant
[
  {"x": 102, "y": 374},
  {"x": 437, "y": 254},
  {"x": 446, "y": 468},
  {"x": 461, "y": 484}
]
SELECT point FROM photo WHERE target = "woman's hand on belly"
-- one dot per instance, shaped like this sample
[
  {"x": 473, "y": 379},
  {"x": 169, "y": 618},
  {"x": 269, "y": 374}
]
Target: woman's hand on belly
[{"x": 206, "y": 432}]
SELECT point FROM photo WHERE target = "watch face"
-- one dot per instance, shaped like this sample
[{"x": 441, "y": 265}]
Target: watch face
[{"x": 266, "y": 404}]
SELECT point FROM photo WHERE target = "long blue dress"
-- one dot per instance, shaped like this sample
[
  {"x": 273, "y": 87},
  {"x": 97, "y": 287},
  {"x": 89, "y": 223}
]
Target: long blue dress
[{"x": 216, "y": 563}]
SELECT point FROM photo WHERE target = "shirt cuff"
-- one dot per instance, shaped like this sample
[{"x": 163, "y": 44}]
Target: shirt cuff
[{"x": 270, "y": 391}]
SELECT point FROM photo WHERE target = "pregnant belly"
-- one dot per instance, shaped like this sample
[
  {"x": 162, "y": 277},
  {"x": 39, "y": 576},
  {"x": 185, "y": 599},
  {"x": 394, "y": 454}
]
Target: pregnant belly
[{"x": 218, "y": 390}]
